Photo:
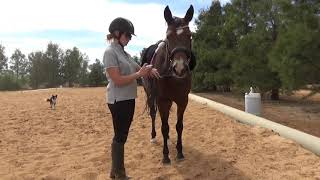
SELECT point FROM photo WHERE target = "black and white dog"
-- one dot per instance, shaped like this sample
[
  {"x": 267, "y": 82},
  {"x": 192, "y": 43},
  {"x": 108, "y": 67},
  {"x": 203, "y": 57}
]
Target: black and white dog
[{"x": 53, "y": 101}]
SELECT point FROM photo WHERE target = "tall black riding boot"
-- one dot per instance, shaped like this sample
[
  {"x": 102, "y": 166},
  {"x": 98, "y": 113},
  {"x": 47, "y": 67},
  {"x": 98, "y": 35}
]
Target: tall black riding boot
[
  {"x": 112, "y": 175},
  {"x": 118, "y": 171}
]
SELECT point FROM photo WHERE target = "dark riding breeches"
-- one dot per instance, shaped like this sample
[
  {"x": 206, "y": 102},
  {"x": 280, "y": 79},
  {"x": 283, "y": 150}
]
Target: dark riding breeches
[{"x": 122, "y": 115}]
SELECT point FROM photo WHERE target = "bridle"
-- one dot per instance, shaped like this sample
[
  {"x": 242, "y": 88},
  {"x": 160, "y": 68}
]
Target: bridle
[{"x": 169, "y": 57}]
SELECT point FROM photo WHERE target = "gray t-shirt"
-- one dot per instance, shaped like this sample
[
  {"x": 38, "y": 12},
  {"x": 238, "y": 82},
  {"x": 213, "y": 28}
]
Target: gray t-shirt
[{"x": 115, "y": 56}]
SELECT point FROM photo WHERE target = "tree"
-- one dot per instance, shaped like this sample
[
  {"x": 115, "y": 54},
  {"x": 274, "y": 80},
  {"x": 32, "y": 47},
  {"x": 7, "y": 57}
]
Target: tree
[
  {"x": 84, "y": 74},
  {"x": 8, "y": 81},
  {"x": 207, "y": 47},
  {"x": 7, "y": 77},
  {"x": 52, "y": 65},
  {"x": 3, "y": 59},
  {"x": 72, "y": 62},
  {"x": 232, "y": 44},
  {"x": 37, "y": 73},
  {"x": 97, "y": 76},
  {"x": 295, "y": 56},
  {"x": 19, "y": 64},
  {"x": 252, "y": 65}
]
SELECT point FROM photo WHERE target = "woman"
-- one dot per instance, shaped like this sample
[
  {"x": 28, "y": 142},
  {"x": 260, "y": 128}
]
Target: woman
[{"x": 121, "y": 72}]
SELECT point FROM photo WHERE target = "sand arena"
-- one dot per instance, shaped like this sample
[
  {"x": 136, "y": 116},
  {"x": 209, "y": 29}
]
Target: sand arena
[{"x": 73, "y": 142}]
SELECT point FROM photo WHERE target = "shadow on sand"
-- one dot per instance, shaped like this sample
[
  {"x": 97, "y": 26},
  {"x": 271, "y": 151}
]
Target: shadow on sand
[{"x": 198, "y": 165}]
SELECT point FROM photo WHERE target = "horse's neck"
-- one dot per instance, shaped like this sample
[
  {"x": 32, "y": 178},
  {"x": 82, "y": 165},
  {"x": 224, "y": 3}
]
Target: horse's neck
[{"x": 161, "y": 59}]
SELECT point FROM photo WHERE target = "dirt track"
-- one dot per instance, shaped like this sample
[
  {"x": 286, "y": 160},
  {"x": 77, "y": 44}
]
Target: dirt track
[{"x": 73, "y": 142}]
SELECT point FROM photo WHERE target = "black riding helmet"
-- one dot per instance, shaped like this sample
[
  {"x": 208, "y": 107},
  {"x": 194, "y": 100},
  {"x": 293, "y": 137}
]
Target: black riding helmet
[{"x": 122, "y": 25}]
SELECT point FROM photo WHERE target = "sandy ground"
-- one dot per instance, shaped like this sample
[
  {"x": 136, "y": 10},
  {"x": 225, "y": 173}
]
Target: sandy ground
[{"x": 73, "y": 142}]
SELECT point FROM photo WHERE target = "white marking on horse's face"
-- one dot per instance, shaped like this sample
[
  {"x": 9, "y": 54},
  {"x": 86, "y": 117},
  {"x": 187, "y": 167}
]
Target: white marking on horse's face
[
  {"x": 178, "y": 64},
  {"x": 179, "y": 31}
]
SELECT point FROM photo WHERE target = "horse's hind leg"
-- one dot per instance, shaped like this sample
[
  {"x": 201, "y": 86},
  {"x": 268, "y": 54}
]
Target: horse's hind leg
[
  {"x": 179, "y": 128},
  {"x": 164, "y": 107}
]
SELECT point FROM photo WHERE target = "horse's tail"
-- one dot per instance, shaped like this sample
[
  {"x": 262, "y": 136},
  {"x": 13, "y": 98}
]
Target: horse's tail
[{"x": 150, "y": 89}]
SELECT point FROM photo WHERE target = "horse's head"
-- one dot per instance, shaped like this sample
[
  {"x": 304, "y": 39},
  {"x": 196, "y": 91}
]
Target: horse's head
[{"x": 178, "y": 37}]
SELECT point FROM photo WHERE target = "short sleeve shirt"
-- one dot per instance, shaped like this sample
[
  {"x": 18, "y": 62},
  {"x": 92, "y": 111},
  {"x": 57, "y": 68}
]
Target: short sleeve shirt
[{"x": 115, "y": 56}]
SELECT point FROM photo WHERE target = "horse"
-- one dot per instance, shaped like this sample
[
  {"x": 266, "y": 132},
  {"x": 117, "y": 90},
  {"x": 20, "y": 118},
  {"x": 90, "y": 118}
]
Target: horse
[{"x": 174, "y": 60}]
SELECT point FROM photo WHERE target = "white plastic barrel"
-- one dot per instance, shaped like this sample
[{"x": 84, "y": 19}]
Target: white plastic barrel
[{"x": 253, "y": 103}]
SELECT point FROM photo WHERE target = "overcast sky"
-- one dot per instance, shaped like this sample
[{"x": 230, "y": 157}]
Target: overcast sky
[{"x": 31, "y": 24}]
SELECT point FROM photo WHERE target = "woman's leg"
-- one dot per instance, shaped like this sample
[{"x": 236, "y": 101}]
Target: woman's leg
[{"x": 122, "y": 115}]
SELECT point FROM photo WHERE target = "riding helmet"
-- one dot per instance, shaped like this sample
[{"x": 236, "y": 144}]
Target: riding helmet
[{"x": 122, "y": 25}]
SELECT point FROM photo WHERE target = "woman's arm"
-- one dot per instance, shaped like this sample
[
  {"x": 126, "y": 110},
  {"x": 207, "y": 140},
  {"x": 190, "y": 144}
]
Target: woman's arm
[{"x": 121, "y": 80}]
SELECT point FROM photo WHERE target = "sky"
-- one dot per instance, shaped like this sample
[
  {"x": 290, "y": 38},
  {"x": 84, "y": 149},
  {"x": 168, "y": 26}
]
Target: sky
[{"x": 29, "y": 25}]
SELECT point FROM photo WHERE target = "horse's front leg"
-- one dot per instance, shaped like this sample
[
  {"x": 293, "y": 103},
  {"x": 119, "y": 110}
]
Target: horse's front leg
[
  {"x": 164, "y": 107},
  {"x": 179, "y": 127},
  {"x": 151, "y": 93},
  {"x": 153, "y": 118}
]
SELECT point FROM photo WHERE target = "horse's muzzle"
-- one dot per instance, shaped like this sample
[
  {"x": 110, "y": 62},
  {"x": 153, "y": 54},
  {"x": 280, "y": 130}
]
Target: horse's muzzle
[{"x": 179, "y": 61}]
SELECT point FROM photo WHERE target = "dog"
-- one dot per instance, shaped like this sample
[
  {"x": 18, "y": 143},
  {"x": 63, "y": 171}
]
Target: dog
[{"x": 53, "y": 101}]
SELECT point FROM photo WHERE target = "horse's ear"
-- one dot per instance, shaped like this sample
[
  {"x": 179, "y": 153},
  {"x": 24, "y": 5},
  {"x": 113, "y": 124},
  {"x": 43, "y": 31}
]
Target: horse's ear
[
  {"x": 168, "y": 15},
  {"x": 189, "y": 14}
]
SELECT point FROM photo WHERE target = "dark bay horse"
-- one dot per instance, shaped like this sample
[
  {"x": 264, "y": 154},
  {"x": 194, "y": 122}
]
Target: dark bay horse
[{"x": 173, "y": 59}]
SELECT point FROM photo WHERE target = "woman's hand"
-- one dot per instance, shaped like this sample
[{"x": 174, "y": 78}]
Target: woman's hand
[
  {"x": 144, "y": 70},
  {"x": 154, "y": 73}
]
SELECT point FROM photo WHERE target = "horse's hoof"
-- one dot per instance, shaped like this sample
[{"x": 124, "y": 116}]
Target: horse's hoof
[
  {"x": 166, "y": 161},
  {"x": 153, "y": 140},
  {"x": 180, "y": 157}
]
